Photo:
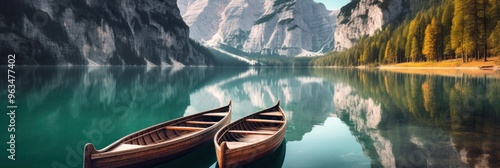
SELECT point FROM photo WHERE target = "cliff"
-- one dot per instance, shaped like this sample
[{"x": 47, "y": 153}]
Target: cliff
[
  {"x": 91, "y": 32},
  {"x": 363, "y": 17},
  {"x": 262, "y": 27}
]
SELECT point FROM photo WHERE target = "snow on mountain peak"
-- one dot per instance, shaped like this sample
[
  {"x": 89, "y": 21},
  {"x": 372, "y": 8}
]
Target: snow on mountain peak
[{"x": 267, "y": 27}]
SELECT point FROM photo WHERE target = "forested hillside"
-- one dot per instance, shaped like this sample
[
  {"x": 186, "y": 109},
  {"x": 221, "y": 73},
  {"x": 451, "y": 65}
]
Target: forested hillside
[{"x": 428, "y": 31}]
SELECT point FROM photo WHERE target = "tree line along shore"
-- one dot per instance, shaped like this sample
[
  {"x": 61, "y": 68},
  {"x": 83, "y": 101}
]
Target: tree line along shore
[{"x": 447, "y": 33}]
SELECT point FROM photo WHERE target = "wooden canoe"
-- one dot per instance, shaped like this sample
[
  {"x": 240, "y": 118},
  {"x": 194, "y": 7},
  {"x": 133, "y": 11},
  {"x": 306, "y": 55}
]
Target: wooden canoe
[
  {"x": 272, "y": 160},
  {"x": 161, "y": 142},
  {"x": 250, "y": 138}
]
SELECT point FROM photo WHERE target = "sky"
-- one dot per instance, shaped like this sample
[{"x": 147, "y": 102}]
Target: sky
[{"x": 333, "y": 4}]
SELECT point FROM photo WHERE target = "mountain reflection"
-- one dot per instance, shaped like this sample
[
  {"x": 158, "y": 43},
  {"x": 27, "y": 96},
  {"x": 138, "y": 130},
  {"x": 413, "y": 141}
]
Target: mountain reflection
[
  {"x": 306, "y": 100},
  {"x": 408, "y": 120},
  {"x": 399, "y": 120},
  {"x": 70, "y": 106}
]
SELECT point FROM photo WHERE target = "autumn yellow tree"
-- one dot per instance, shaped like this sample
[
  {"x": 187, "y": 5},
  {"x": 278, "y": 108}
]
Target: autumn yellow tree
[
  {"x": 494, "y": 41},
  {"x": 390, "y": 53},
  {"x": 432, "y": 45}
]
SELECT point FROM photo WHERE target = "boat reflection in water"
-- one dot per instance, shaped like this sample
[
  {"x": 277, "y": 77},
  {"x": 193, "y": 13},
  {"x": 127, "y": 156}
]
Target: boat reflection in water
[
  {"x": 201, "y": 157},
  {"x": 272, "y": 160},
  {"x": 381, "y": 118}
]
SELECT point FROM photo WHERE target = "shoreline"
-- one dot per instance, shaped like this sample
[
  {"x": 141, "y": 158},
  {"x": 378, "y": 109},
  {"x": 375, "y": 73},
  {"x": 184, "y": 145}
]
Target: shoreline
[
  {"x": 446, "y": 71},
  {"x": 384, "y": 67},
  {"x": 491, "y": 64},
  {"x": 455, "y": 68}
]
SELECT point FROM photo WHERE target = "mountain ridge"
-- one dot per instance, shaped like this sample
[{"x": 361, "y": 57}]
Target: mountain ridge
[
  {"x": 93, "y": 33},
  {"x": 263, "y": 27}
]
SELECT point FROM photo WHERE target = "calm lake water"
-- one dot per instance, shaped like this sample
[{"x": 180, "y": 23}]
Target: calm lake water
[{"x": 336, "y": 117}]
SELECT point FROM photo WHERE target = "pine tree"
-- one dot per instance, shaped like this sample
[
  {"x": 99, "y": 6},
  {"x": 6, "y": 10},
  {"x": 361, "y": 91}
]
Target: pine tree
[
  {"x": 381, "y": 53},
  {"x": 479, "y": 29},
  {"x": 457, "y": 29},
  {"x": 429, "y": 44},
  {"x": 467, "y": 34},
  {"x": 414, "y": 32},
  {"x": 415, "y": 49},
  {"x": 432, "y": 47},
  {"x": 417, "y": 29},
  {"x": 446, "y": 21},
  {"x": 494, "y": 41},
  {"x": 363, "y": 59},
  {"x": 390, "y": 53}
]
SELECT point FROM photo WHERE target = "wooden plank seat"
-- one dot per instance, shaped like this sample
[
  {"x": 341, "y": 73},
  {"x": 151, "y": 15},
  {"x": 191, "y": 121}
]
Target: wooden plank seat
[
  {"x": 183, "y": 128},
  {"x": 201, "y": 122},
  {"x": 269, "y": 128},
  {"x": 265, "y": 121},
  {"x": 232, "y": 145},
  {"x": 276, "y": 113},
  {"x": 250, "y": 132}
]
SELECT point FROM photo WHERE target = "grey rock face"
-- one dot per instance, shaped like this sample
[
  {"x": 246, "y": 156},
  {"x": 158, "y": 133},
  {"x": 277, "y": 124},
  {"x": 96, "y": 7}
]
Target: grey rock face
[
  {"x": 363, "y": 17},
  {"x": 91, "y": 32},
  {"x": 268, "y": 27}
]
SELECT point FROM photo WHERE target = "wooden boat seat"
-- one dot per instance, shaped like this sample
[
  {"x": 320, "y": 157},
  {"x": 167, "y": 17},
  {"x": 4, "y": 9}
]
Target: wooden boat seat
[
  {"x": 126, "y": 147},
  {"x": 276, "y": 113},
  {"x": 269, "y": 128},
  {"x": 251, "y": 132},
  {"x": 183, "y": 128},
  {"x": 215, "y": 114},
  {"x": 232, "y": 145},
  {"x": 251, "y": 138},
  {"x": 201, "y": 122},
  {"x": 265, "y": 121}
]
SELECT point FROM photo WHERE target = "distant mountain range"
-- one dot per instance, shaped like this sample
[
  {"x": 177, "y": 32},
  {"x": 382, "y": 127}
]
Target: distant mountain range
[
  {"x": 154, "y": 33},
  {"x": 262, "y": 27},
  {"x": 284, "y": 27}
]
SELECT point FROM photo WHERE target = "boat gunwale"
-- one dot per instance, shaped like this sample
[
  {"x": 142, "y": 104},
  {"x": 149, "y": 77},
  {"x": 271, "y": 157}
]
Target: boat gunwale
[
  {"x": 104, "y": 153},
  {"x": 225, "y": 130}
]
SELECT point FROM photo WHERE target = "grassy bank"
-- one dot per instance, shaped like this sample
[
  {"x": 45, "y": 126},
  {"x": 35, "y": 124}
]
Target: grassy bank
[
  {"x": 455, "y": 63},
  {"x": 448, "y": 68}
]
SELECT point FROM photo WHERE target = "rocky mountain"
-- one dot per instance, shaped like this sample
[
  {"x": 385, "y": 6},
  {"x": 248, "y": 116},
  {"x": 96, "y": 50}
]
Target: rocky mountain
[
  {"x": 263, "y": 27},
  {"x": 91, "y": 32},
  {"x": 364, "y": 17}
]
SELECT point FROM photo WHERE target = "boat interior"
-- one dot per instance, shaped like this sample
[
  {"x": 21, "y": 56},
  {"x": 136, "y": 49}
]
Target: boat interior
[
  {"x": 169, "y": 131},
  {"x": 253, "y": 129}
]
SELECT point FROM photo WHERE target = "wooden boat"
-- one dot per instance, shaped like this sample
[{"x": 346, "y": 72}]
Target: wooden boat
[
  {"x": 161, "y": 142},
  {"x": 272, "y": 160},
  {"x": 250, "y": 138}
]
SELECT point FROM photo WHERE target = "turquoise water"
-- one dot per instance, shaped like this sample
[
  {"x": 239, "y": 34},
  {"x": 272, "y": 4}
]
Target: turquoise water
[{"x": 336, "y": 117}]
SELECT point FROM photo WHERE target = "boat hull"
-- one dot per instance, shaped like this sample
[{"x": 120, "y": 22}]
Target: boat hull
[
  {"x": 244, "y": 155},
  {"x": 247, "y": 155},
  {"x": 150, "y": 155}
]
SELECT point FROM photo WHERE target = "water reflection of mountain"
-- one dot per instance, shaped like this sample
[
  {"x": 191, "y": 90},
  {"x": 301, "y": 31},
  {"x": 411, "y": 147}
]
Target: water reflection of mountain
[
  {"x": 418, "y": 120},
  {"x": 70, "y": 106},
  {"x": 306, "y": 100}
]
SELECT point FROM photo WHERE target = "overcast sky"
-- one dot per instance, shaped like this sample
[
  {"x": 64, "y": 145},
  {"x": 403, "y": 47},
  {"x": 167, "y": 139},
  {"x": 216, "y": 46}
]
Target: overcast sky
[{"x": 333, "y": 4}]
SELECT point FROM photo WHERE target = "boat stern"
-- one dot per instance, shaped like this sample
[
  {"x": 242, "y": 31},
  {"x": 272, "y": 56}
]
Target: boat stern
[
  {"x": 221, "y": 154},
  {"x": 89, "y": 149}
]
